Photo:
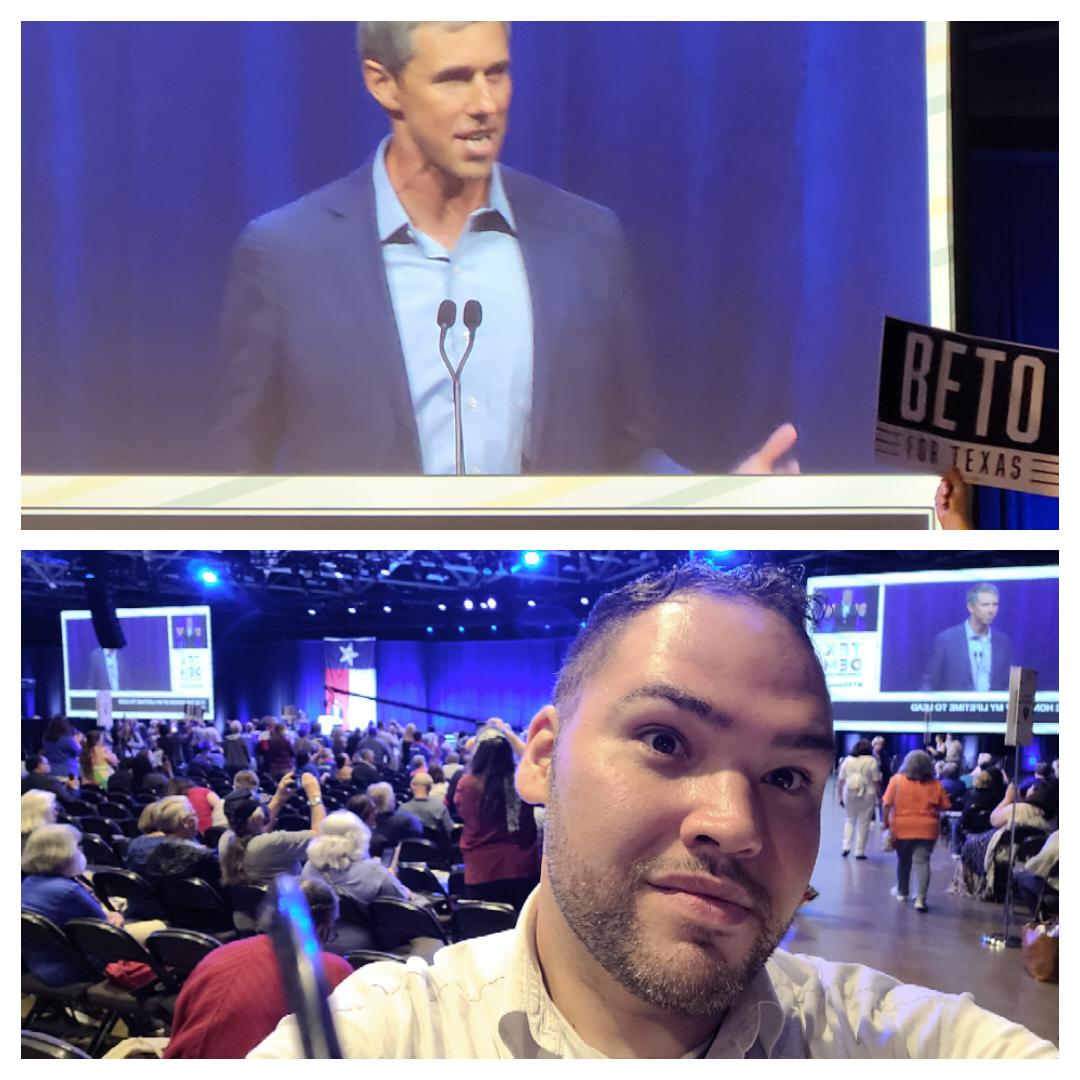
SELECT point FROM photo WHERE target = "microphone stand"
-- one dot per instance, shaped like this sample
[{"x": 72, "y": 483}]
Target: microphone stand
[{"x": 455, "y": 379}]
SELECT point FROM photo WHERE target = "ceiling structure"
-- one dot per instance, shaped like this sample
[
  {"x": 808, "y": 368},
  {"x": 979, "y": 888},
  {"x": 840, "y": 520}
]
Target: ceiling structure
[{"x": 421, "y": 594}]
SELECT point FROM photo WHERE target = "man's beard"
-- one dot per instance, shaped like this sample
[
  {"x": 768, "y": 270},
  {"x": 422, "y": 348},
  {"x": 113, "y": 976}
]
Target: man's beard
[{"x": 601, "y": 909}]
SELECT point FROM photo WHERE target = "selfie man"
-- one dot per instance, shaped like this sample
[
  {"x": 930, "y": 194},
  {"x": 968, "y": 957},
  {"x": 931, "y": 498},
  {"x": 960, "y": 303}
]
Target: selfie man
[
  {"x": 330, "y": 329},
  {"x": 682, "y": 764}
]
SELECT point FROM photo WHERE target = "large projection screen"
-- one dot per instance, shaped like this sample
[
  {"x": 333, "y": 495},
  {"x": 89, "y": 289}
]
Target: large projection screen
[
  {"x": 898, "y": 657},
  {"x": 165, "y": 669},
  {"x": 782, "y": 187}
]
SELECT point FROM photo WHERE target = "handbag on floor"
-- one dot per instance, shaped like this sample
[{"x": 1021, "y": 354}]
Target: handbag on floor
[{"x": 1039, "y": 950}]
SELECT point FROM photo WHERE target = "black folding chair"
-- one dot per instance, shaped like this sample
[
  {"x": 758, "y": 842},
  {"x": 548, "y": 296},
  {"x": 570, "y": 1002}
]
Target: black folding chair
[
  {"x": 92, "y": 795},
  {"x": 99, "y": 851},
  {"x": 475, "y": 918},
  {"x": 194, "y": 904},
  {"x": 142, "y": 1010},
  {"x": 177, "y": 953},
  {"x": 419, "y": 880},
  {"x": 397, "y": 922},
  {"x": 78, "y": 807},
  {"x": 99, "y": 826},
  {"x": 127, "y": 826},
  {"x": 293, "y": 822},
  {"x": 43, "y": 937},
  {"x": 359, "y": 957},
  {"x": 213, "y": 835},
  {"x": 115, "y": 810},
  {"x": 247, "y": 900},
  {"x": 349, "y": 911},
  {"x": 416, "y": 850},
  {"x": 135, "y": 889},
  {"x": 36, "y": 1044}
]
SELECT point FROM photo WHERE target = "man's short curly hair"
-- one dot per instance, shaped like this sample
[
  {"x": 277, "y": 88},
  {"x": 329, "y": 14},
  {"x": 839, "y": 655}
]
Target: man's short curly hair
[{"x": 775, "y": 588}]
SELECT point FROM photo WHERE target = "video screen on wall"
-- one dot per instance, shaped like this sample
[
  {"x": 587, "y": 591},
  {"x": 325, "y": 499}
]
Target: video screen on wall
[
  {"x": 937, "y": 645},
  {"x": 164, "y": 671},
  {"x": 695, "y": 219}
]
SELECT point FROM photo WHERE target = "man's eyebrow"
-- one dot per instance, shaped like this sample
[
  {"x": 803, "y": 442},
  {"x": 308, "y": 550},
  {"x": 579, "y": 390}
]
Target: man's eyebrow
[
  {"x": 452, "y": 73},
  {"x": 812, "y": 741},
  {"x": 681, "y": 699},
  {"x": 465, "y": 72}
]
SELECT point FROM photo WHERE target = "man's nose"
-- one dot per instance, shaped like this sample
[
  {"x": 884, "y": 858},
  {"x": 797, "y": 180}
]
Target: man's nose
[
  {"x": 481, "y": 100},
  {"x": 723, "y": 817}
]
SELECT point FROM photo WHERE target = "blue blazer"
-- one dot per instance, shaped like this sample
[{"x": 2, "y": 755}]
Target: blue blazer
[
  {"x": 316, "y": 380},
  {"x": 949, "y": 667}
]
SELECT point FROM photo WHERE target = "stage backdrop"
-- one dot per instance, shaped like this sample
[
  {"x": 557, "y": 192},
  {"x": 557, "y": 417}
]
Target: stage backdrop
[
  {"x": 511, "y": 679},
  {"x": 771, "y": 177}
]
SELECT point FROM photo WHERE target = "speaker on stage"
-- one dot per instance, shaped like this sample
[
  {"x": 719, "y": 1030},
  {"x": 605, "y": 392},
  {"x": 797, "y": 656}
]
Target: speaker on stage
[{"x": 107, "y": 627}]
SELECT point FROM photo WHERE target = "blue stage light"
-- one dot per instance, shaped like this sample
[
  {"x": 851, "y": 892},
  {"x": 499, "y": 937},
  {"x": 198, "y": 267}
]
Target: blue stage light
[
  {"x": 468, "y": 605},
  {"x": 461, "y": 629},
  {"x": 430, "y": 629},
  {"x": 208, "y": 576},
  {"x": 532, "y": 559},
  {"x": 311, "y": 611},
  {"x": 442, "y": 607},
  {"x": 352, "y": 611},
  {"x": 531, "y": 603},
  {"x": 387, "y": 608},
  {"x": 494, "y": 627}
]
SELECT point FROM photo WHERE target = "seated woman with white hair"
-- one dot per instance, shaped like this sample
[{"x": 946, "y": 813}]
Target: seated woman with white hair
[
  {"x": 340, "y": 857},
  {"x": 54, "y": 887},
  {"x": 38, "y": 808}
]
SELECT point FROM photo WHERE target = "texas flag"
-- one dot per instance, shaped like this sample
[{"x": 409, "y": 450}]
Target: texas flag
[{"x": 350, "y": 666}]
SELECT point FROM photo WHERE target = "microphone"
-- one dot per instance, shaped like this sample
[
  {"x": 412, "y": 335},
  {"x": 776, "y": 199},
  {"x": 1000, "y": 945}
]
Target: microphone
[
  {"x": 472, "y": 316},
  {"x": 447, "y": 315}
]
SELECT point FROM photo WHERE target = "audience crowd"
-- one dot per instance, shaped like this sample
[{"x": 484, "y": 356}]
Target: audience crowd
[{"x": 171, "y": 800}]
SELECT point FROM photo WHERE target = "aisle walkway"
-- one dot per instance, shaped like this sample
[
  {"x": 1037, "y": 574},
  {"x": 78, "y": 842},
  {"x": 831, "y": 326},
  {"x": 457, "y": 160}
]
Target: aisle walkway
[{"x": 856, "y": 919}]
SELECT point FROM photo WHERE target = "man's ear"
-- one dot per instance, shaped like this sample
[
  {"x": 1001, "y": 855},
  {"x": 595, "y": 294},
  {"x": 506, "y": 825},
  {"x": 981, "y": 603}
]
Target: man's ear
[
  {"x": 382, "y": 86},
  {"x": 534, "y": 769}
]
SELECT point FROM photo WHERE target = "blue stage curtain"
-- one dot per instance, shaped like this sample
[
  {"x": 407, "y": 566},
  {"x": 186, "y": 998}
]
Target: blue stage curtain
[
  {"x": 258, "y": 679},
  {"x": 1013, "y": 268},
  {"x": 511, "y": 679},
  {"x": 771, "y": 178}
]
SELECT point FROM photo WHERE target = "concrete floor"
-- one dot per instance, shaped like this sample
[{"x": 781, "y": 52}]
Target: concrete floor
[{"x": 856, "y": 919}]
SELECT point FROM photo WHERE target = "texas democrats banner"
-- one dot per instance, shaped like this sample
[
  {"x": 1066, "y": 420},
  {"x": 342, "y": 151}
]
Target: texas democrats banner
[{"x": 350, "y": 669}]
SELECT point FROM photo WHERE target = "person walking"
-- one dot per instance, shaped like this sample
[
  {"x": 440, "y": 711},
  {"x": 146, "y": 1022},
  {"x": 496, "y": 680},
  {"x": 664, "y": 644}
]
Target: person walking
[
  {"x": 913, "y": 804},
  {"x": 856, "y": 791}
]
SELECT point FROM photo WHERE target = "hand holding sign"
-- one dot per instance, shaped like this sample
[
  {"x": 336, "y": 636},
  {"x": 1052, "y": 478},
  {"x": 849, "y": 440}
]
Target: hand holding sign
[{"x": 953, "y": 501}]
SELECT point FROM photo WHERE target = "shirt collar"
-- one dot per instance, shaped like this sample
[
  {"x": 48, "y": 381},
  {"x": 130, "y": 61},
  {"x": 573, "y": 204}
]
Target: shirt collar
[
  {"x": 972, "y": 636},
  {"x": 755, "y": 1016},
  {"x": 390, "y": 216}
]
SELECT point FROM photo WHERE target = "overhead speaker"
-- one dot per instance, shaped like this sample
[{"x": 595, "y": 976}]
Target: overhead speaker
[{"x": 110, "y": 634}]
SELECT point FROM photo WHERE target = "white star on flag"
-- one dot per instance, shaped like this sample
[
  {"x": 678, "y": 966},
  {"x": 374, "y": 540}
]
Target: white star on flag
[{"x": 348, "y": 654}]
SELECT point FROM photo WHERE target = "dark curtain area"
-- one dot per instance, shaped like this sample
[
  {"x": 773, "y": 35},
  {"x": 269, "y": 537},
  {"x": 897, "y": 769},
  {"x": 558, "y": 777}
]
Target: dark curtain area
[
  {"x": 771, "y": 178},
  {"x": 1013, "y": 267}
]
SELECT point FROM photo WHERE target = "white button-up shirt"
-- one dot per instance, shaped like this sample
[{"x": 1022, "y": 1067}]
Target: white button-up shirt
[{"x": 485, "y": 998}]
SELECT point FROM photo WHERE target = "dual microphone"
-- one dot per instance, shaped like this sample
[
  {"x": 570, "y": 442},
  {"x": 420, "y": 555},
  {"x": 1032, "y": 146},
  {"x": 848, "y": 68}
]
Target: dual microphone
[{"x": 472, "y": 316}]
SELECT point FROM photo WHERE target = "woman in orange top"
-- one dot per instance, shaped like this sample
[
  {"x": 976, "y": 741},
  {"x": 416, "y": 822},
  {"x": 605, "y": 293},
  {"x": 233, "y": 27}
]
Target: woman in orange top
[{"x": 913, "y": 802}]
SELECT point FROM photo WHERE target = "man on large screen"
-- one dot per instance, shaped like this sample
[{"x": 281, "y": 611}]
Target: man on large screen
[
  {"x": 971, "y": 656},
  {"x": 332, "y": 300}
]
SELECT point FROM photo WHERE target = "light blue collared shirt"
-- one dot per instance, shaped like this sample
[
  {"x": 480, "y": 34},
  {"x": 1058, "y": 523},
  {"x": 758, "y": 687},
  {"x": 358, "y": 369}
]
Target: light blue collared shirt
[
  {"x": 980, "y": 653},
  {"x": 486, "y": 265}
]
